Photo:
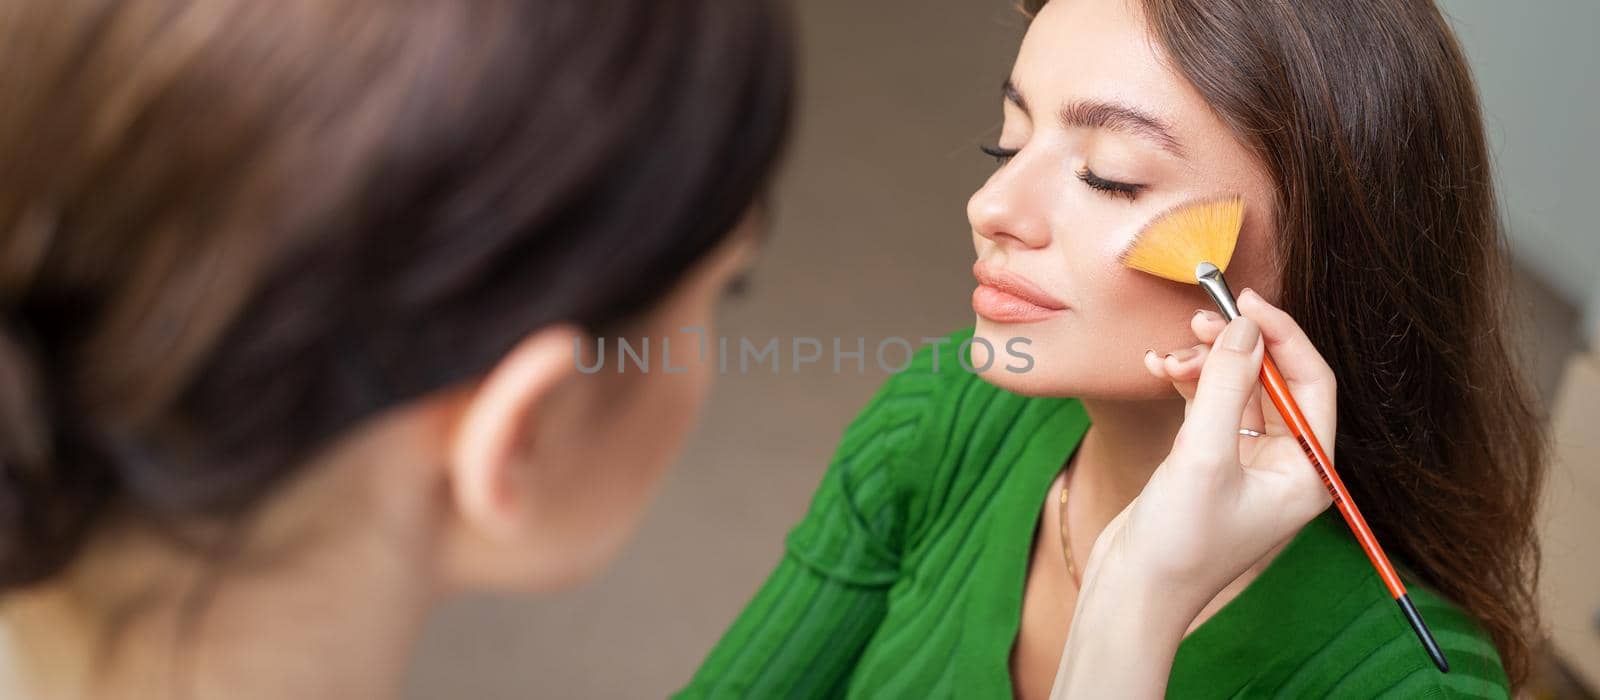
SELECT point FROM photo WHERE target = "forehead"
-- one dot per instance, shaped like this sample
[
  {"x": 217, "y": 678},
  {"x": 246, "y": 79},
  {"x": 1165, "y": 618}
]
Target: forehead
[{"x": 1100, "y": 50}]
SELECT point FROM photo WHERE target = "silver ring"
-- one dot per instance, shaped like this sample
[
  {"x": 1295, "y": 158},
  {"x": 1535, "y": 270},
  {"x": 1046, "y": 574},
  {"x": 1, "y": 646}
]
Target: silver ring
[{"x": 1250, "y": 433}]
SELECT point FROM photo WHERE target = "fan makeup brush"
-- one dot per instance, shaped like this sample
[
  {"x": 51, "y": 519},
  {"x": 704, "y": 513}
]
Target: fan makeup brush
[{"x": 1193, "y": 244}]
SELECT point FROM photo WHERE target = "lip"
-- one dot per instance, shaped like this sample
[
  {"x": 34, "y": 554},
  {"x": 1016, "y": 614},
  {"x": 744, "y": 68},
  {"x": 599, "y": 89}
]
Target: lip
[{"x": 1009, "y": 298}]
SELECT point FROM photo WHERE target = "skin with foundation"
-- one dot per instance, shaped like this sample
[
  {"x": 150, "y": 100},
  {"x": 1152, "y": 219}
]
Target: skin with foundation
[{"x": 1089, "y": 155}]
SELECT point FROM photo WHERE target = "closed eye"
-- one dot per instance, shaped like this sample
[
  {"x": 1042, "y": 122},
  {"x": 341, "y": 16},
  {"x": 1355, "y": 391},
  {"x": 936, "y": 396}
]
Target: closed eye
[
  {"x": 1114, "y": 188},
  {"x": 1126, "y": 190}
]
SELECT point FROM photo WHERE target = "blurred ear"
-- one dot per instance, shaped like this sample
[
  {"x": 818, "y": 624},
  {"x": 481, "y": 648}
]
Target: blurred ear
[{"x": 489, "y": 458}]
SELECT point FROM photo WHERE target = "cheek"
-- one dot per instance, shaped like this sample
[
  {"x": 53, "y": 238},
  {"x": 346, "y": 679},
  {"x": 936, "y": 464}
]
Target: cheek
[
  {"x": 1255, "y": 259},
  {"x": 673, "y": 394},
  {"x": 1136, "y": 312},
  {"x": 629, "y": 449},
  {"x": 654, "y": 434},
  {"x": 639, "y": 429},
  {"x": 1120, "y": 306}
]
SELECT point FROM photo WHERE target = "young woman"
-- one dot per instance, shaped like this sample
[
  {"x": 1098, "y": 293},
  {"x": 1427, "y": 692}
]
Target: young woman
[
  {"x": 983, "y": 537},
  {"x": 289, "y": 295}
]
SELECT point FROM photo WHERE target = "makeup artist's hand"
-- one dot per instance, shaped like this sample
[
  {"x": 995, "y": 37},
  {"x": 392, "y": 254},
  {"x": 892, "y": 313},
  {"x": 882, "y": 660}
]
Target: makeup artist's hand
[
  {"x": 1217, "y": 504},
  {"x": 1221, "y": 500}
]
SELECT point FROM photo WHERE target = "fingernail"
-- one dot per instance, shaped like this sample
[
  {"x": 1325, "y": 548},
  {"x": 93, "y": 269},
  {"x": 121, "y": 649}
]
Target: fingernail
[
  {"x": 1208, "y": 315},
  {"x": 1242, "y": 335},
  {"x": 1251, "y": 293},
  {"x": 1182, "y": 355},
  {"x": 1148, "y": 352}
]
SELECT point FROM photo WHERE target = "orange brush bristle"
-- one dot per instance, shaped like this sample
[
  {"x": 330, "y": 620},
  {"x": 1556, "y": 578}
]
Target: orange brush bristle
[{"x": 1175, "y": 242}]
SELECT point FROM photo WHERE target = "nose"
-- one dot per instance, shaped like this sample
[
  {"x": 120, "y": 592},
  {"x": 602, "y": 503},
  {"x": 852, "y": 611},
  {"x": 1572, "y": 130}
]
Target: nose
[{"x": 1010, "y": 208}]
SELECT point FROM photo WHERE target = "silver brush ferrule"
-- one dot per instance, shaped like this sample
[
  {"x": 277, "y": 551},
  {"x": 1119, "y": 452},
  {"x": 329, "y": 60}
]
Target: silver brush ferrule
[{"x": 1211, "y": 280}]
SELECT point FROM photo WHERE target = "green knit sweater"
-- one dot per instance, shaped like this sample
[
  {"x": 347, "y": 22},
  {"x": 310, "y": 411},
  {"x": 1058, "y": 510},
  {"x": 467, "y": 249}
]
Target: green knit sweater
[{"x": 905, "y": 578}]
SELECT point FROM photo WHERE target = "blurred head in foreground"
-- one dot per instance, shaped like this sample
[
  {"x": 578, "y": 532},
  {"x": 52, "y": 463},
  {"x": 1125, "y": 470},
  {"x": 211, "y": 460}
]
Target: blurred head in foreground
[{"x": 289, "y": 297}]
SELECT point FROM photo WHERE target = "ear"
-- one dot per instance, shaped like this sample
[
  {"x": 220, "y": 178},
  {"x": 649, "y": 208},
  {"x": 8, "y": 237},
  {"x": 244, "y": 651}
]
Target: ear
[{"x": 486, "y": 472}]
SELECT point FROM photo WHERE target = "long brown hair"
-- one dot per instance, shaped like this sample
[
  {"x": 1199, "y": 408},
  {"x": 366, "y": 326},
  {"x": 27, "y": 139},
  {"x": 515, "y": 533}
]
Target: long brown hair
[
  {"x": 232, "y": 229},
  {"x": 1394, "y": 262}
]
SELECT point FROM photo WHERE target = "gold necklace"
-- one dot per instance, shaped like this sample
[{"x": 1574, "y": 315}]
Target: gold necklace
[{"x": 1066, "y": 541}]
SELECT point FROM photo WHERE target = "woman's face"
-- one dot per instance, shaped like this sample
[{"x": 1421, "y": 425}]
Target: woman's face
[{"x": 1105, "y": 137}]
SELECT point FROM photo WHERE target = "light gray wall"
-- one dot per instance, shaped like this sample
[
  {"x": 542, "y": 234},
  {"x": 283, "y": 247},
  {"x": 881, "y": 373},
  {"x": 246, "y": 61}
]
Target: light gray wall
[{"x": 1536, "y": 65}]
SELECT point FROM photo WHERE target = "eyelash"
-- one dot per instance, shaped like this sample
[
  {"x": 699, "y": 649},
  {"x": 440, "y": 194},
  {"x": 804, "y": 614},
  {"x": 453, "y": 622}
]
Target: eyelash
[
  {"x": 1112, "y": 188},
  {"x": 1126, "y": 190}
]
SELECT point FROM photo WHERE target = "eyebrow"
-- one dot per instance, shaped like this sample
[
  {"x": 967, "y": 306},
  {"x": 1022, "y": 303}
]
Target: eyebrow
[{"x": 1095, "y": 114}]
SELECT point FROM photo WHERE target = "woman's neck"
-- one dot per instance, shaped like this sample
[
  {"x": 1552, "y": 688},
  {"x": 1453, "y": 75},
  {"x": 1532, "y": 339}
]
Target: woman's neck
[
  {"x": 311, "y": 606},
  {"x": 1126, "y": 441}
]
